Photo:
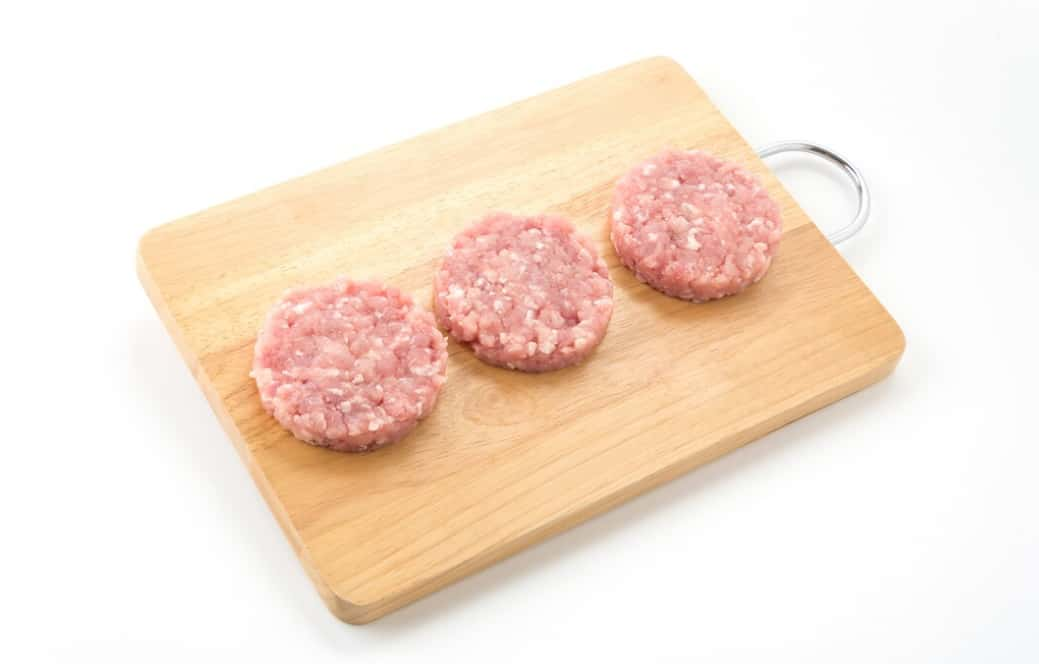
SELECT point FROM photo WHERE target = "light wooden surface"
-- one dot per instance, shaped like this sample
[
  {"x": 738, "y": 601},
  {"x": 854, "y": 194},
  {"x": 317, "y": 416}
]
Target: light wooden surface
[{"x": 508, "y": 459}]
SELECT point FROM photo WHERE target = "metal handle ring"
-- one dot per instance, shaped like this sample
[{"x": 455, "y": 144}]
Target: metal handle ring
[{"x": 841, "y": 234}]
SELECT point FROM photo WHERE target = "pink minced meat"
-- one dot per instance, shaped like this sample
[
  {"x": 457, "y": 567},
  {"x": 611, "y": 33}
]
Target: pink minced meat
[
  {"x": 351, "y": 365},
  {"x": 526, "y": 293},
  {"x": 694, "y": 226}
]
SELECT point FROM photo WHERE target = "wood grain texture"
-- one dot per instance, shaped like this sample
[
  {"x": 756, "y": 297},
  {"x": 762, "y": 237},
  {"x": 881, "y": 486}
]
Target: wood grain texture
[{"x": 507, "y": 458}]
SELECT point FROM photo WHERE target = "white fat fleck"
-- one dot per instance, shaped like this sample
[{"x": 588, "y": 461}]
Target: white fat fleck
[
  {"x": 374, "y": 425},
  {"x": 691, "y": 241},
  {"x": 539, "y": 245},
  {"x": 701, "y": 187},
  {"x": 336, "y": 391},
  {"x": 669, "y": 183},
  {"x": 344, "y": 406},
  {"x": 730, "y": 187},
  {"x": 690, "y": 208},
  {"x": 755, "y": 222},
  {"x": 653, "y": 236},
  {"x": 499, "y": 306},
  {"x": 455, "y": 291},
  {"x": 299, "y": 353},
  {"x": 618, "y": 214},
  {"x": 531, "y": 348},
  {"x": 648, "y": 169},
  {"x": 358, "y": 379},
  {"x": 301, "y": 307}
]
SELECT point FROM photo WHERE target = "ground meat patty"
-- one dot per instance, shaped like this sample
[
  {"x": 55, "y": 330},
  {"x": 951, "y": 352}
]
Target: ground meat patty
[
  {"x": 694, "y": 226},
  {"x": 351, "y": 365},
  {"x": 526, "y": 293}
]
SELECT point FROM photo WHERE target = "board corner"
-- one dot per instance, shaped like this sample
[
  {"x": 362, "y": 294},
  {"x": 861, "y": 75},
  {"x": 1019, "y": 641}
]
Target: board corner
[{"x": 350, "y": 611}]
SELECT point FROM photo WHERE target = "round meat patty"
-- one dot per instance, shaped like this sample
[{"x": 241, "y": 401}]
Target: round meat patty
[
  {"x": 693, "y": 226},
  {"x": 351, "y": 365},
  {"x": 526, "y": 293}
]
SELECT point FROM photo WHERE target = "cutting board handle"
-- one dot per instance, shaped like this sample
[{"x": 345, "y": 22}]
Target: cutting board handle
[{"x": 862, "y": 214}]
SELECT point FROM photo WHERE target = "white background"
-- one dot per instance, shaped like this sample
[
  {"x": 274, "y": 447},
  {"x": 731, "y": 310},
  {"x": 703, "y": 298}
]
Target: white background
[{"x": 899, "y": 525}]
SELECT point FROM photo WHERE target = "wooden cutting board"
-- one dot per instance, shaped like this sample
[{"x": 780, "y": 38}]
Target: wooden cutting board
[{"x": 508, "y": 459}]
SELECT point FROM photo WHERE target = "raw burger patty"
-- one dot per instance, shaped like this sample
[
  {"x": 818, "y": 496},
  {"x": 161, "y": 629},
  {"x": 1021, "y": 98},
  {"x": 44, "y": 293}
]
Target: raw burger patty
[
  {"x": 526, "y": 293},
  {"x": 694, "y": 226},
  {"x": 351, "y": 365}
]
